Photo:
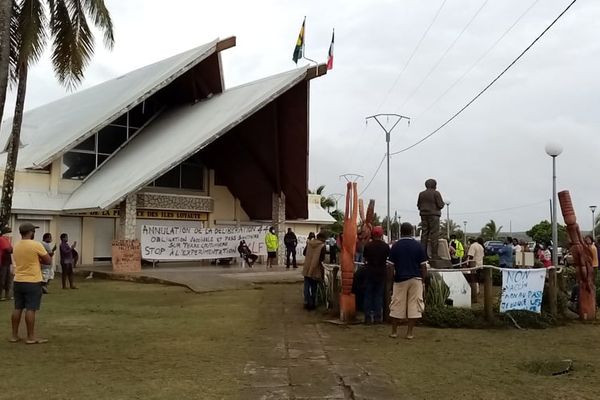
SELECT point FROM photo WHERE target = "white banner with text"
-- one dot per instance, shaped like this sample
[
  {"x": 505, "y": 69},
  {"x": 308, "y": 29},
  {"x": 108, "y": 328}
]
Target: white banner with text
[
  {"x": 181, "y": 243},
  {"x": 522, "y": 289}
]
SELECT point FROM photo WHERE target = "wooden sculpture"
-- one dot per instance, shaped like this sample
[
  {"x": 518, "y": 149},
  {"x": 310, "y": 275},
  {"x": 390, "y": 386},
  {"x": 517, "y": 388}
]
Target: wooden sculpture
[
  {"x": 582, "y": 259},
  {"x": 347, "y": 300},
  {"x": 366, "y": 226}
]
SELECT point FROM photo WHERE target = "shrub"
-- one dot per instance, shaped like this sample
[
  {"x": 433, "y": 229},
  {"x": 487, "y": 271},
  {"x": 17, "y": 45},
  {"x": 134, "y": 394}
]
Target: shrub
[
  {"x": 451, "y": 317},
  {"x": 437, "y": 291}
]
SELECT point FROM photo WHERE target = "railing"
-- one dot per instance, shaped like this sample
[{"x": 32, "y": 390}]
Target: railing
[{"x": 332, "y": 285}]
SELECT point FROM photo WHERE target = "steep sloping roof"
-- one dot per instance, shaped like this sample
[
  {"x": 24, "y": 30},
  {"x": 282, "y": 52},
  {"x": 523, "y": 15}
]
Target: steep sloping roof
[
  {"x": 51, "y": 129},
  {"x": 173, "y": 137}
]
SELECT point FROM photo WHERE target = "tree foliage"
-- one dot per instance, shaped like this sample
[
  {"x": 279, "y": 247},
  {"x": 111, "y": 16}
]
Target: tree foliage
[
  {"x": 490, "y": 231},
  {"x": 542, "y": 233}
]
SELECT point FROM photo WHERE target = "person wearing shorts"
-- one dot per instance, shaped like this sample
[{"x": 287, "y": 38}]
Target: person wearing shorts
[
  {"x": 27, "y": 289},
  {"x": 410, "y": 270}
]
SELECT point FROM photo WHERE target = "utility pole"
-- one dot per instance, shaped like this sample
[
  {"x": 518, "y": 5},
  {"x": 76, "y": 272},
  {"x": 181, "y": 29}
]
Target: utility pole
[
  {"x": 377, "y": 118},
  {"x": 448, "y": 220}
]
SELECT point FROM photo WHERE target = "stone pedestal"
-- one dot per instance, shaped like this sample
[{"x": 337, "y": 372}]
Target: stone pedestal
[
  {"x": 279, "y": 224},
  {"x": 127, "y": 217}
]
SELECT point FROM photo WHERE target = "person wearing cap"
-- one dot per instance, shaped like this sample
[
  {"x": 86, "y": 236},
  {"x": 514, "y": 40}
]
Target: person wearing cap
[
  {"x": 410, "y": 270},
  {"x": 375, "y": 254},
  {"x": 5, "y": 263},
  {"x": 28, "y": 282}
]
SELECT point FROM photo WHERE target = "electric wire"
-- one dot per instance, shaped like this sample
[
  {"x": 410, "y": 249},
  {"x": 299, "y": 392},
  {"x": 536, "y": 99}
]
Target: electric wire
[
  {"x": 374, "y": 175},
  {"x": 437, "y": 14},
  {"x": 476, "y": 63},
  {"x": 443, "y": 56},
  {"x": 486, "y": 211},
  {"x": 489, "y": 85}
]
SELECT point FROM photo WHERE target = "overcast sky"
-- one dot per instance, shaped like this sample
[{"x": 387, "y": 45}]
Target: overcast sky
[{"x": 490, "y": 159}]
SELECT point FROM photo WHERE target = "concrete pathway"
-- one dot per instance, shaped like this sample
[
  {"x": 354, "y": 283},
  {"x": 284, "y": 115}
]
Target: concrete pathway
[
  {"x": 302, "y": 361},
  {"x": 202, "y": 279}
]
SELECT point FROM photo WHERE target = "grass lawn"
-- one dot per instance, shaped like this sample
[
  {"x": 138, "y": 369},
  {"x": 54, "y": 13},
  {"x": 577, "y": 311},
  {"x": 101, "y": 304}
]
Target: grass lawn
[{"x": 117, "y": 340}]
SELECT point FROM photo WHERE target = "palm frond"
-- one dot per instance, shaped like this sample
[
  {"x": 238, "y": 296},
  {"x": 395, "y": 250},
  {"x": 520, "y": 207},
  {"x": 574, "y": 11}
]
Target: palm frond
[
  {"x": 97, "y": 10},
  {"x": 31, "y": 37}
]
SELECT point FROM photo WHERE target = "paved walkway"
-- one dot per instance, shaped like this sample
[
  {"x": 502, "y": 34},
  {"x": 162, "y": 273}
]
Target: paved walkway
[
  {"x": 302, "y": 361},
  {"x": 203, "y": 279}
]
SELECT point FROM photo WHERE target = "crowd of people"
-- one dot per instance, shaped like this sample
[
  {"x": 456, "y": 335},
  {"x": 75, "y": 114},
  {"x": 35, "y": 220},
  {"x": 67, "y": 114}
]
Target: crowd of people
[{"x": 26, "y": 271}]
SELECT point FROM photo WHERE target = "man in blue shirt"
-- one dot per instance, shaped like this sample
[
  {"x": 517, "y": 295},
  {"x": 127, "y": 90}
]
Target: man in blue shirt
[
  {"x": 410, "y": 264},
  {"x": 506, "y": 254}
]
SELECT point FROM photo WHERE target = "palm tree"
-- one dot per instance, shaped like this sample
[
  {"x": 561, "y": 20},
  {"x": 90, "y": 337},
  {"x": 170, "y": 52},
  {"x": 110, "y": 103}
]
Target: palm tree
[
  {"x": 454, "y": 228},
  {"x": 6, "y": 7},
  {"x": 490, "y": 231},
  {"x": 72, "y": 49},
  {"x": 326, "y": 202}
]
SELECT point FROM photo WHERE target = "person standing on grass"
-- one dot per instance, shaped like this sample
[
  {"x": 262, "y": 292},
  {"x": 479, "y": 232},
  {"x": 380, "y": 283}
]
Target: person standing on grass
[
  {"x": 5, "y": 264},
  {"x": 28, "y": 282},
  {"x": 313, "y": 270},
  {"x": 410, "y": 271},
  {"x": 47, "y": 269},
  {"x": 589, "y": 240},
  {"x": 376, "y": 254},
  {"x": 291, "y": 242},
  {"x": 67, "y": 261}
]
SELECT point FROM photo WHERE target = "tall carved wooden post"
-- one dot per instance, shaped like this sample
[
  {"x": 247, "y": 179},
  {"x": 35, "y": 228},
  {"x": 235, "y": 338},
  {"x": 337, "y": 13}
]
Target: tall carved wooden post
[
  {"x": 347, "y": 300},
  {"x": 582, "y": 258}
]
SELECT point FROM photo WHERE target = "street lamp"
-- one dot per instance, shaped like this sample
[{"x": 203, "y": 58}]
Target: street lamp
[
  {"x": 593, "y": 209},
  {"x": 447, "y": 202},
  {"x": 465, "y": 232},
  {"x": 336, "y": 197},
  {"x": 554, "y": 150}
]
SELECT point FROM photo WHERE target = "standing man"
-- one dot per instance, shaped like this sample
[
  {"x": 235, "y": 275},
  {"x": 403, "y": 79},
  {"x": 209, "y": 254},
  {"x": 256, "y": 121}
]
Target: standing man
[
  {"x": 5, "y": 263},
  {"x": 47, "y": 269},
  {"x": 313, "y": 269},
  {"x": 375, "y": 255},
  {"x": 410, "y": 265},
  {"x": 506, "y": 254},
  {"x": 272, "y": 244},
  {"x": 430, "y": 204},
  {"x": 457, "y": 250},
  {"x": 291, "y": 242},
  {"x": 28, "y": 282},
  {"x": 67, "y": 260},
  {"x": 475, "y": 255}
]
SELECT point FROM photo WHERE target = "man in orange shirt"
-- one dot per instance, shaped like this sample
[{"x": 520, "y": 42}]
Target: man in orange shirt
[{"x": 28, "y": 282}]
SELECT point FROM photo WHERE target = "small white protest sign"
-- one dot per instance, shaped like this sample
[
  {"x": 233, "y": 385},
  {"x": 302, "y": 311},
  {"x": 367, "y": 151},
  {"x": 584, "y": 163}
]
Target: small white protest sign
[{"x": 522, "y": 289}]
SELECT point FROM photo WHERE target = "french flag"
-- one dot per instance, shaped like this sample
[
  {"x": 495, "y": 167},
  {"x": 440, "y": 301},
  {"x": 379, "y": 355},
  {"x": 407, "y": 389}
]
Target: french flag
[{"x": 330, "y": 56}]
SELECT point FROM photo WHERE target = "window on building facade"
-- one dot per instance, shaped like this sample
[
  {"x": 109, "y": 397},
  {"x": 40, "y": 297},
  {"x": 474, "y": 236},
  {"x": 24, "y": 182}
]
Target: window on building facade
[
  {"x": 88, "y": 155},
  {"x": 188, "y": 175}
]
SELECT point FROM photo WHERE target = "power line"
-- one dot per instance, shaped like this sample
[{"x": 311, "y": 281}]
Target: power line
[
  {"x": 489, "y": 85},
  {"x": 486, "y": 211},
  {"x": 439, "y": 61},
  {"x": 476, "y": 63},
  {"x": 374, "y": 175},
  {"x": 412, "y": 54}
]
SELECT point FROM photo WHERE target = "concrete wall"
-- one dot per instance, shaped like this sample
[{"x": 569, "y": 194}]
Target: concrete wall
[{"x": 226, "y": 207}]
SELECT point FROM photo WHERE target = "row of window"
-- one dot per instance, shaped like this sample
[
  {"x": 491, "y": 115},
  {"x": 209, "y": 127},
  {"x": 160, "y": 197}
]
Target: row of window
[{"x": 88, "y": 155}]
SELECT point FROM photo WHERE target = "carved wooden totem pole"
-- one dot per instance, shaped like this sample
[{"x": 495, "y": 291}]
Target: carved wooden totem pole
[
  {"x": 347, "y": 300},
  {"x": 582, "y": 259},
  {"x": 366, "y": 226}
]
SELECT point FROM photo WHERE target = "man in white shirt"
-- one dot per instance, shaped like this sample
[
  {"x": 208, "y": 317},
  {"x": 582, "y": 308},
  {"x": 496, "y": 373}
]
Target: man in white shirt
[{"x": 476, "y": 252}]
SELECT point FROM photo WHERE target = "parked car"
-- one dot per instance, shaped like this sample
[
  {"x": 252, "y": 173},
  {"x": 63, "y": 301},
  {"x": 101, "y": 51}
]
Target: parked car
[{"x": 491, "y": 247}]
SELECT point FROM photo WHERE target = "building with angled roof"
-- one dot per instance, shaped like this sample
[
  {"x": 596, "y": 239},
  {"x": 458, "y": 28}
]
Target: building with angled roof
[{"x": 170, "y": 144}]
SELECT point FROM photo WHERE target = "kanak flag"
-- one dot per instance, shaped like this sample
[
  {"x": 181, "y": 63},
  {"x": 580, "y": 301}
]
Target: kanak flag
[{"x": 330, "y": 55}]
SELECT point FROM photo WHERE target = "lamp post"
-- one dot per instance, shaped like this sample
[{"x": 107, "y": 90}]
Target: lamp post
[
  {"x": 553, "y": 150},
  {"x": 447, "y": 202},
  {"x": 387, "y": 140},
  {"x": 465, "y": 233},
  {"x": 593, "y": 209},
  {"x": 336, "y": 197}
]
